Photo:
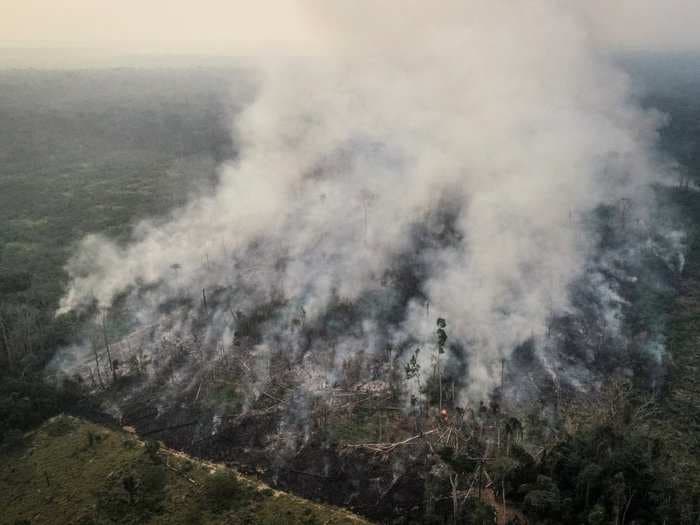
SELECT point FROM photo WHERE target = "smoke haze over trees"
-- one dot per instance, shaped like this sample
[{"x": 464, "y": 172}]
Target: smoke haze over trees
[{"x": 467, "y": 120}]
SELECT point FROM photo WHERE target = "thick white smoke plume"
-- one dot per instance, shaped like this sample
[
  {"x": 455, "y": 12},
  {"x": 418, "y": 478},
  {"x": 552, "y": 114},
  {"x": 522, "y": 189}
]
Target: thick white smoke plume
[{"x": 502, "y": 116}]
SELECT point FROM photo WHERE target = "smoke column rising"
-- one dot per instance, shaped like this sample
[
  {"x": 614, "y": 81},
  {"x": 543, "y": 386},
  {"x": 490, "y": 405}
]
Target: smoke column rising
[{"x": 503, "y": 112}]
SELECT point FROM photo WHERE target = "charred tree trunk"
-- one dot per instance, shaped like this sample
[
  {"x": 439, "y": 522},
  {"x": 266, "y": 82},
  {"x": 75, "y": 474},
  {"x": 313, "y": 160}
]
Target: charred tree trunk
[
  {"x": 481, "y": 469},
  {"x": 439, "y": 376},
  {"x": 97, "y": 365},
  {"x": 503, "y": 361},
  {"x": 6, "y": 344},
  {"x": 109, "y": 354},
  {"x": 92, "y": 378},
  {"x": 454, "y": 481},
  {"x": 503, "y": 492},
  {"x": 28, "y": 333}
]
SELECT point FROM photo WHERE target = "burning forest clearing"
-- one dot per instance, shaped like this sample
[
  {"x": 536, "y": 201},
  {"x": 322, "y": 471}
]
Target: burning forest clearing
[
  {"x": 430, "y": 275},
  {"x": 382, "y": 433}
]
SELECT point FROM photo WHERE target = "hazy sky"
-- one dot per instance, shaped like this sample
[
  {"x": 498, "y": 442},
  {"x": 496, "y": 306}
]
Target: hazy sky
[
  {"x": 653, "y": 25},
  {"x": 98, "y": 31}
]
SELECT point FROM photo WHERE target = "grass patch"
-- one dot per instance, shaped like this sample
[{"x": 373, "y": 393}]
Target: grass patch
[
  {"x": 223, "y": 490},
  {"x": 70, "y": 471}
]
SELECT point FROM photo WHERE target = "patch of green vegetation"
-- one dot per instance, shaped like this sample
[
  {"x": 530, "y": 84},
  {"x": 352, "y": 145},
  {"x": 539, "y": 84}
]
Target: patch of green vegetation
[
  {"x": 678, "y": 422},
  {"x": 360, "y": 426},
  {"x": 225, "y": 392},
  {"x": 223, "y": 491},
  {"x": 71, "y": 471},
  {"x": 59, "y": 426}
]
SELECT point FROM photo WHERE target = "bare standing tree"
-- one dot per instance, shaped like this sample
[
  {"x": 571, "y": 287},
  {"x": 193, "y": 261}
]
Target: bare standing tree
[
  {"x": 454, "y": 482},
  {"x": 97, "y": 364},
  {"x": 6, "y": 343},
  {"x": 107, "y": 349},
  {"x": 366, "y": 199},
  {"x": 442, "y": 339}
]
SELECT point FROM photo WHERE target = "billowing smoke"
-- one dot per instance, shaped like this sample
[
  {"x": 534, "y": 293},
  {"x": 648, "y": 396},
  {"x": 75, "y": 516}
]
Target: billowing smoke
[{"x": 439, "y": 159}]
